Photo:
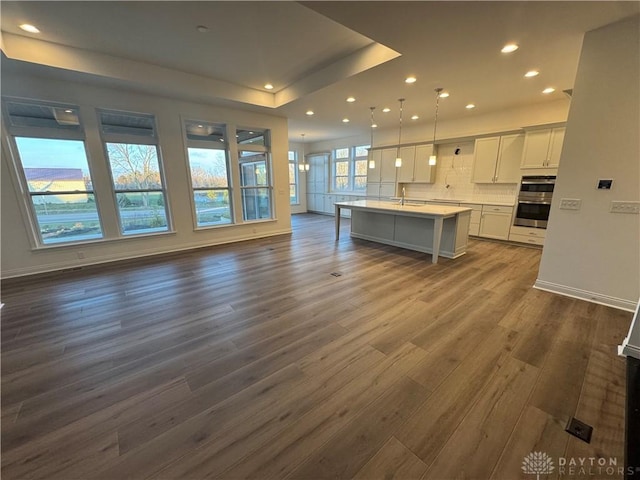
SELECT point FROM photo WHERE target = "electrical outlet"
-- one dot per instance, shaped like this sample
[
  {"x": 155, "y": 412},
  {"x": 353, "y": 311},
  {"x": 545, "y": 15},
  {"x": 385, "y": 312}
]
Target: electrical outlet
[
  {"x": 625, "y": 207},
  {"x": 570, "y": 204}
]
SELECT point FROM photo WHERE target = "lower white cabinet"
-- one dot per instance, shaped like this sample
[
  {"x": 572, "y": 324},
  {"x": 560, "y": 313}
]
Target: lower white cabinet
[
  {"x": 495, "y": 222},
  {"x": 476, "y": 213},
  {"x": 532, "y": 236}
]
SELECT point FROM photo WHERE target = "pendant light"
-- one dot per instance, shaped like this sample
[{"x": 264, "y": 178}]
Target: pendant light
[
  {"x": 303, "y": 166},
  {"x": 398, "y": 159},
  {"x": 372, "y": 162},
  {"x": 432, "y": 157}
]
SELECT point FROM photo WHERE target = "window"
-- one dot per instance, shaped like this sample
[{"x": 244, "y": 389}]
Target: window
[
  {"x": 131, "y": 145},
  {"x": 254, "y": 161},
  {"x": 349, "y": 169},
  {"x": 293, "y": 178},
  {"x": 54, "y": 166},
  {"x": 209, "y": 169}
]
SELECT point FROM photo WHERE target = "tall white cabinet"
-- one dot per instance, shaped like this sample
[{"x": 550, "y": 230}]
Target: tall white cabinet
[{"x": 317, "y": 182}]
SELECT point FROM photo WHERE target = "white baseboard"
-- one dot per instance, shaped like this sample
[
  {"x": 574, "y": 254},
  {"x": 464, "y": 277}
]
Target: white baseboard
[
  {"x": 66, "y": 265},
  {"x": 620, "y": 303}
]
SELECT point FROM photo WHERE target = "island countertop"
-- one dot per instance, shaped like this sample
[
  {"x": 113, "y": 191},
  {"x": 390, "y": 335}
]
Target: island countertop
[{"x": 406, "y": 209}]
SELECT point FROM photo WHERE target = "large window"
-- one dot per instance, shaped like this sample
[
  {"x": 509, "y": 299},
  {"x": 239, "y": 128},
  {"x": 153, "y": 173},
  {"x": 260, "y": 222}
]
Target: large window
[
  {"x": 254, "y": 159},
  {"x": 55, "y": 171},
  {"x": 293, "y": 178},
  {"x": 349, "y": 169},
  {"x": 131, "y": 145},
  {"x": 209, "y": 169}
]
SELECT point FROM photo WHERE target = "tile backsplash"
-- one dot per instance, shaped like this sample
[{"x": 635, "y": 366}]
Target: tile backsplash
[{"x": 453, "y": 180}]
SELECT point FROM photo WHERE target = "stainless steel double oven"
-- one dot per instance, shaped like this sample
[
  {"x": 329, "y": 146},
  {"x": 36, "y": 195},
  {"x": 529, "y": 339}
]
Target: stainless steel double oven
[{"x": 534, "y": 201}]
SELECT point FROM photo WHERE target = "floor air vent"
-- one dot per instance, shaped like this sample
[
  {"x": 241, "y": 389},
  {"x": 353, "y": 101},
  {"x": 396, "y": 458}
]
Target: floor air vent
[{"x": 579, "y": 429}]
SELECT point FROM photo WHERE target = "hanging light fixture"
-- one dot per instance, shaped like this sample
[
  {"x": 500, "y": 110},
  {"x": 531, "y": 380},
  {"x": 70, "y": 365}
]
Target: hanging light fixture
[
  {"x": 432, "y": 157},
  {"x": 372, "y": 162},
  {"x": 398, "y": 159},
  {"x": 303, "y": 166}
]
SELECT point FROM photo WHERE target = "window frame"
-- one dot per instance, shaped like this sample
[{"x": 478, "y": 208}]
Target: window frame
[
  {"x": 208, "y": 145},
  {"x": 351, "y": 171},
  {"x": 10, "y": 133},
  {"x": 257, "y": 149},
  {"x": 129, "y": 139}
]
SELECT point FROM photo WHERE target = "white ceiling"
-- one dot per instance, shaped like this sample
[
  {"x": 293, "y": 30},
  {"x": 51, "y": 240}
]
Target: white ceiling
[{"x": 316, "y": 54}]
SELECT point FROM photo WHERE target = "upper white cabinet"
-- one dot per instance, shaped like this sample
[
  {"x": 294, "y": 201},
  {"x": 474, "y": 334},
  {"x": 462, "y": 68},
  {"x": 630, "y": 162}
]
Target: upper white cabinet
[
  {"x": 542, "y": 148},
  {"x": 497, "y": 159},
  {"x": 405, "y": 172},
  {"x": 423, "y": 172},
  {"x": 415, "y": 165},
  {"x": 388, "y": 165}
]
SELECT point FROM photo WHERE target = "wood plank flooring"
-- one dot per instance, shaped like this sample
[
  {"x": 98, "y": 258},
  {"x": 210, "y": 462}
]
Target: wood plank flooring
[{"x": 252, "y": 360}]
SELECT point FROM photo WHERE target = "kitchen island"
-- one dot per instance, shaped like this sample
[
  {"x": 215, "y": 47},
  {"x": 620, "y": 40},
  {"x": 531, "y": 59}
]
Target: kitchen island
[{"x": 436, "y": 229}]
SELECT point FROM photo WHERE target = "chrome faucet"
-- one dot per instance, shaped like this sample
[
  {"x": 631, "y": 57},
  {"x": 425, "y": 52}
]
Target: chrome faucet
[{"x": 402, "y": 199}]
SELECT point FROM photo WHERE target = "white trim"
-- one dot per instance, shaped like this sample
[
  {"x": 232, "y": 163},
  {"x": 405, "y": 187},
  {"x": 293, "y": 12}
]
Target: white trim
[
  {"x": 632, "y": 349},
  {"x": 52, "y": 267},
  {"x": 620, "y": 303}
]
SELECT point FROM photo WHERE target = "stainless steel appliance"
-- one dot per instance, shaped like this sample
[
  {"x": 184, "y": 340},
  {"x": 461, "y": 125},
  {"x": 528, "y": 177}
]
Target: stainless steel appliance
[{"x": 534, "y": 201}]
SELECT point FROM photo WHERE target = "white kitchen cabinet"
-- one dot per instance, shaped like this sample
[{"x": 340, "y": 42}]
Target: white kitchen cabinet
[
  {"x": 423, "y": 172},
  {"x": 542, "y": 148},
  {"x": 388, "y": 165},
  {"x": 495, "y": 222},
  {"x": 415, "y": 165},
  {"x": 530, "y": 235},
  {"x": 387, "y": 190},
  {"x": 497, "y": 159},
  {"x": 405, "y": 172},
  {"x": 474, "y": 222},
  {"x": 373, "y": 174}
]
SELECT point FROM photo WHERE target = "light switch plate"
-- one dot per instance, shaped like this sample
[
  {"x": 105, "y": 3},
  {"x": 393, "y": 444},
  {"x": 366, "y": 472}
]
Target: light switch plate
[
  {"x": 625, "y": 207},
  {"x": 570, "y": 204}
]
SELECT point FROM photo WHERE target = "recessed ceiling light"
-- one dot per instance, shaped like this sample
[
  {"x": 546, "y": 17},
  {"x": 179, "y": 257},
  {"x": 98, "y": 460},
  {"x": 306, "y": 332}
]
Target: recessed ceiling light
[
  {"x": 202, "y": 28},
  {"x": 374, "y": 125},
  {"x": 415, "y": 117},
  {"x": 351, "y": 99},
  {"x": 386, "y": 110},
  {"x": 411, "y": 79},
  {"x": 68, "y": 110},
  {"x": 548, "y": 90},
  {"x": 268, "y": 86},
  {"x": 470, "y": 106},
  {"x": 310, "y": 112},
  {"x": 200, "y": 126},
  {"x": 345, "y": 120},
  {"x": 250, "y": 133},
  {"x": 444, "y": 95},
  {"x": 510, "y": 47},
  {"x": 532, "y": 73},
  {"x": 29, "y": 28}
]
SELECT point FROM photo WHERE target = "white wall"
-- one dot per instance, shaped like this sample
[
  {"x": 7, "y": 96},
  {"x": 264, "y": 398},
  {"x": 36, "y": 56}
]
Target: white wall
[
  {"x": 592, "y": 253},
  {"x": 18, "y": 258}
]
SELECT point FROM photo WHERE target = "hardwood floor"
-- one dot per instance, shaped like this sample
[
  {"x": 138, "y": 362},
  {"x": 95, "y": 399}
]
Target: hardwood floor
[{"x": 252, "y": 360}]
